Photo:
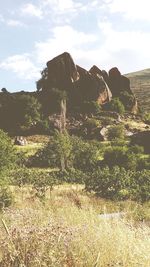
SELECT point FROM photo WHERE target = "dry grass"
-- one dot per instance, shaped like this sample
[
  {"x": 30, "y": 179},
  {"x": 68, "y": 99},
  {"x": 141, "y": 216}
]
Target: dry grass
[{"x": 66, "y": 231}]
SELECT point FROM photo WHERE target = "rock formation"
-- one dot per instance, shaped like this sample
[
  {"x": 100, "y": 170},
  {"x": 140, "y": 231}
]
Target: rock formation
[{"x": 81, "y": 85}]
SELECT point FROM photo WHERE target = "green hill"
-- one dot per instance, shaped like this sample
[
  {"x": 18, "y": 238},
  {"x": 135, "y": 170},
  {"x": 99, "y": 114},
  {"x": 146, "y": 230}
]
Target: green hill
[{"x": 140, "y": 84}]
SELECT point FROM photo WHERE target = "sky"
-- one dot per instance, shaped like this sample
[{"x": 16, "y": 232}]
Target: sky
[{"x": 106, "y": 33}]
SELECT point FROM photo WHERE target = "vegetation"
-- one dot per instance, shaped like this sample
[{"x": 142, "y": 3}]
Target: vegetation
[
  {"x": 116, "y": 105},
  {"x": 68, "y": 231},
  {"x": 7, "y": 153},
  {"x": 116, "y": 132}
]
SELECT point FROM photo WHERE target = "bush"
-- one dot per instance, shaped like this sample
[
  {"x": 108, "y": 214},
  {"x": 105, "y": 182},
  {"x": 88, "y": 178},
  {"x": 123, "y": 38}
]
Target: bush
[
  {"x": 140, "y": 188},
  {"x": 118, "y": 183},
  {"x": 7, "y": 153},
  {"x": 108, "y": 183},
  {"x": 85, "y": 154},
  {"x": 6, "y": 197},
  {"x": 91, "y": 107},
  {"x": 122, "y": 157},
  {"x": 116, "y": 132},
  {"x": 127, "y": 100},
  {"x": 116, "y": 105},
  {"x": 146, "y": 118},
  {"x": 89, "y": 126}
]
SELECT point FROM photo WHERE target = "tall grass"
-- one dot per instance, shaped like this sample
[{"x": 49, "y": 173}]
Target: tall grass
[{"x": 65, "y": 232}]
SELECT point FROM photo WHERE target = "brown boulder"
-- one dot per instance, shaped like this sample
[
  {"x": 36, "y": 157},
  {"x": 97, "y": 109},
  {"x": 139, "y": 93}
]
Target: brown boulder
[
  {"x": 80, "y": 84},
  {"x": 62, "y": 71},
  {"x": 118, "y": 83},
  {"x": 92, "y": 86}
]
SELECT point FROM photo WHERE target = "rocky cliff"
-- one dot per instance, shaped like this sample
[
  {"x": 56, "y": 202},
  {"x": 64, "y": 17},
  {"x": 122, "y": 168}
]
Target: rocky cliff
[{"x": 82, "y": 85}]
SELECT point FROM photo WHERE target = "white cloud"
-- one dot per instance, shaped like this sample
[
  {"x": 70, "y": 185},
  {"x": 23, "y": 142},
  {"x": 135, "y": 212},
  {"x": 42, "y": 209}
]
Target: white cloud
[
  {"x": 65, "y": 38},
  {"x": 14, "y": 23},
  {"x": 127, "y": 48},
  {"x": 131, "y": 9},
  {"x": 32, "y": 10},
  {"x": 22, "y": 66}
]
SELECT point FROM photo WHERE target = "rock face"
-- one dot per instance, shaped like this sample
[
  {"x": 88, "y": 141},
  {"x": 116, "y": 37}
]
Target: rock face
[
  {"x": 80, "y": 84},
  {"x": 118, "y": 83},
  {"x": 62, "y": 71}
]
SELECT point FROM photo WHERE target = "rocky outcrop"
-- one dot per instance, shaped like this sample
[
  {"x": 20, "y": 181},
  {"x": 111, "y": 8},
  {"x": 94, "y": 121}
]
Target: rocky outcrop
[
  {"x": 92, "y": 87},
  {"x": 118, "y": 83},
  {"x": 81, "y": 85},
  {"x": 62, "y": 71}
]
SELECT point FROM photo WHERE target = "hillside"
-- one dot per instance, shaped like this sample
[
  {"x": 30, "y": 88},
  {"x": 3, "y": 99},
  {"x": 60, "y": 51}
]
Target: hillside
[{"x": 140, "y": 84}]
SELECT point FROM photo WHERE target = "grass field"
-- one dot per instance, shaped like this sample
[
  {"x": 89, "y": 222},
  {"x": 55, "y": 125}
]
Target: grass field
[{"x": 65, "y": 231}]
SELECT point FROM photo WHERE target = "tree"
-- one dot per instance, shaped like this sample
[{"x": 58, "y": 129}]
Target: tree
[{"x": 28, "y": 109}]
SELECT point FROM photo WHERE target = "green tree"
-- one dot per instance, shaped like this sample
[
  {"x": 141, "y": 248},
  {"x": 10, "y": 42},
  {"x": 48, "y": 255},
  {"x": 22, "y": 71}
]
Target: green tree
[{"x": 28, "y": 111}]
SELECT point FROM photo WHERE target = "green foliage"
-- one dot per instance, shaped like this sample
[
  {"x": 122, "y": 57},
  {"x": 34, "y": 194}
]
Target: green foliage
[
  {"x": 146, "y": 117},
  {"x": 57, "y": 150},
  {"x": 122, "y": 157},
  {"x": 107, "y": 182},
  {"x": 71, "y": 176},
  {"x": 140, "y": 188},
  {"x": 6, "y": 197},
  {"x": 116, "y": 105},
  {"x": 118, "y": 183},
  {"x": 7, "y": 153},
  {"x": 19, "y": 111},
  {"x": 85, "y": 154},
  {"x": 29, "y": 111},
  {"x": 116, "y": 132},
  {"x": 91, "y": 107},
  {"x": 127, "y": 100},
  {"x": 89, "y": 127}
]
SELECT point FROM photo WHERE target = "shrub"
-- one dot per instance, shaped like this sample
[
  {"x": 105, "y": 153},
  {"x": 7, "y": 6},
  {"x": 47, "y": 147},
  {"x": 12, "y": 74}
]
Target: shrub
[
  {"x": 6, "y": 197},
  {"x": 127, "y": 100},
  {"x": 116, "y": 105},
  {"x": 7, "y": 152},
  {"x": 91, "y": 107},
  {"x": 116, "y": 132},
  {"x": 108, "y": 183},
  {"x": 122, "y": 157},
  {"x": 90, "y": 126},
  {"x": 85, "y": 154},
  {"x": 140, "y": 188},
  {"x": 118, "y": 183},
  {"x": 146, "y": 118}
]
